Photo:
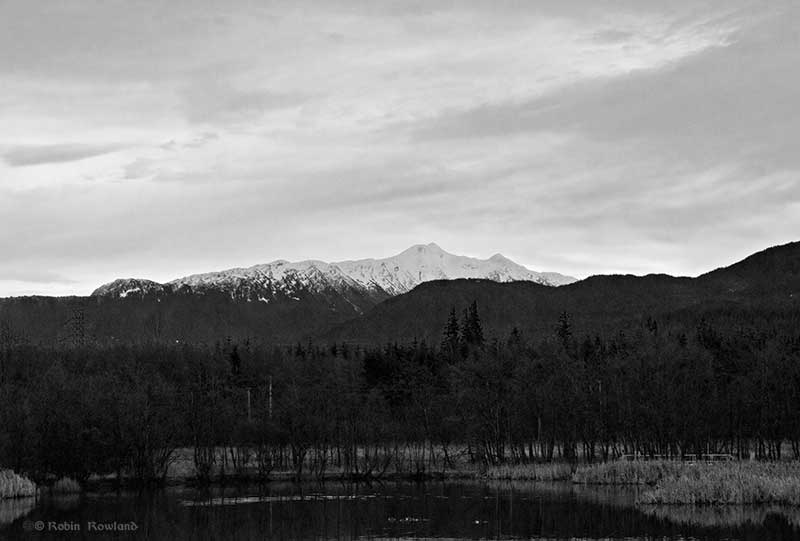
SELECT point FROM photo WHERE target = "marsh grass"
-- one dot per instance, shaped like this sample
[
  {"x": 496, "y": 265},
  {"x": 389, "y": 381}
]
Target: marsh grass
[
  {"x": 701, "y": 483},
  {"x": 15, "y": 486},
  {"x": 531, "y": 472},
  {"x": 732, "y": 483},
  {"x": 629, "y": 472}
]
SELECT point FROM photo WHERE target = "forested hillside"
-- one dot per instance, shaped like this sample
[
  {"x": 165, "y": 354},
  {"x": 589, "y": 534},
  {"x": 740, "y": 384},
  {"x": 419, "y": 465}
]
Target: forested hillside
[{"x": 767, "y": 281}]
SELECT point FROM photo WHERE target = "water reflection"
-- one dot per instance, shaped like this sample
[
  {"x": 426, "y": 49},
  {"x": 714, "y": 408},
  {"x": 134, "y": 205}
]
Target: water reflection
[
  {"x": 726, "y": 516},
  {"x": 405, "y": 511},
  {"x": 11, "y": 510}
]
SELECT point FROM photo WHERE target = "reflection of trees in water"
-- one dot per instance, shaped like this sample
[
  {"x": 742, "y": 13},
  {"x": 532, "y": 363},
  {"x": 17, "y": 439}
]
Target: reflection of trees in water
[
  {"x": 723, "y": 516},
  {"x": 64, "y": 502},
  {"x": 12, "y": 509}
]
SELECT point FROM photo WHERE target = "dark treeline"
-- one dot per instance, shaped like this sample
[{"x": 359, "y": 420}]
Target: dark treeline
[{"x": 728, "y": 381}]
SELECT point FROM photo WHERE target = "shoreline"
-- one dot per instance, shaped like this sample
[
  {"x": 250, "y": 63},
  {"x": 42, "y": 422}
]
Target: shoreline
[
  {"x": 669, "y": 483},
  {"x": 672, "y": 483}
]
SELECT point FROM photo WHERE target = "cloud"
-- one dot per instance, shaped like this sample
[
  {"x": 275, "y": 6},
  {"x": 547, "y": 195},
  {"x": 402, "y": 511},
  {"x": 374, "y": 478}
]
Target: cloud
[
  {"x": 612, "y": 35},
  {"x": 214, "y": 99},
  {"x": 201, "y": 140},
  {"x": 139, "y": 168},
  {"x": 32, "y": 275},
  {"x": 701, "y": 110},
  {"x": 576, "y": 136},
  {"x": 25, "y": 155}
]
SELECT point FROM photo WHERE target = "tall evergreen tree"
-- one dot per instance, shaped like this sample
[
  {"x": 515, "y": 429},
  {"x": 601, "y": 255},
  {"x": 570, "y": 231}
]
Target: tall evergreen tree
[
  {"x": 564, "y": 329},
  {"x": 473, "y": 331},
  {"x": 450, "y": 337}
]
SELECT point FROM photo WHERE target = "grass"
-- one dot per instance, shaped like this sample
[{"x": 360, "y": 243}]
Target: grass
[
  {"x": 701, "y": 483},
  {"x": 15, "y": 486},
  {"x": 724, "y": 484},
  {"x": 629, "y": 472},
  {"x": 530, "y": 472}
]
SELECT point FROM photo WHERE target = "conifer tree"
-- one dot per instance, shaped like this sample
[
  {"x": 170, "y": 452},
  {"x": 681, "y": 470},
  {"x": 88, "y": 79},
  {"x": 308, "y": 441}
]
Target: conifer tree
[
  {"x": 473, "y": 331},
  {"x": 564, "y": 329},
  {"x": 450, "y": 337}
]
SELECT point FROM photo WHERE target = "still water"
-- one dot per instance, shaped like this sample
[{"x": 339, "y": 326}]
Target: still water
[{"x": 386, "y": 511}]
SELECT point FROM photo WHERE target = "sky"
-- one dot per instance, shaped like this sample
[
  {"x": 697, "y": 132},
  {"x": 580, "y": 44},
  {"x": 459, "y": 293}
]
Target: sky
[{"x": 160, "y": 139}]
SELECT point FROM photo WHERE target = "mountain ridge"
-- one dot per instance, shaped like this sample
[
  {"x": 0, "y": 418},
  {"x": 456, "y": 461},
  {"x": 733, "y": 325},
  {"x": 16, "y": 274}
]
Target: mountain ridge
[
  {"x": 375, "y": 279},
  {"x": 763, "y": 283}
]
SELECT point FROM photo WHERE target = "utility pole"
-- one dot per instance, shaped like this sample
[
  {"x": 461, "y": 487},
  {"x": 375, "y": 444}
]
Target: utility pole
[{"x": 270, "y": 398}]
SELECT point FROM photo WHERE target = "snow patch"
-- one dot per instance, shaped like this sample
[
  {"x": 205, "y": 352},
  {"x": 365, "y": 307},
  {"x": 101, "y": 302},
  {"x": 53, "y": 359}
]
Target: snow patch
[{"x": 129, "y": 291}]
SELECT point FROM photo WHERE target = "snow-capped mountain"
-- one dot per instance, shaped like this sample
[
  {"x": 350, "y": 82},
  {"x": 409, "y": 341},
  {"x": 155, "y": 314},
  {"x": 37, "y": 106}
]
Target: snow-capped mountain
[
  {"x": 279, "y": 280},
  {"x": 360, "y": 283},
  {"x": 422, "y": 263}
]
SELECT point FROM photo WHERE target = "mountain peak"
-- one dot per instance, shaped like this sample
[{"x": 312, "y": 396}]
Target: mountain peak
[
  {"x": 425, "y": 262},
  {"x": 430, "y": 248}
]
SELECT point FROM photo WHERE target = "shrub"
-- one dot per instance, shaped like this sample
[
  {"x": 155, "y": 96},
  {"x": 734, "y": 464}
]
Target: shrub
[{"x": 66, "y": 485}]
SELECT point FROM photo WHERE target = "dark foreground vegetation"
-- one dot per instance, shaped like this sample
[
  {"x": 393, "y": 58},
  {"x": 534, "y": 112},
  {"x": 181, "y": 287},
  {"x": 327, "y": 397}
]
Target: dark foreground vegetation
[{"x": 729, "y": 384}]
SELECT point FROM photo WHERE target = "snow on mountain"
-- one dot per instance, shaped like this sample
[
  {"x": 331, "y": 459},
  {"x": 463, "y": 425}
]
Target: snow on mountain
[
  {"x": 424, "y": 262},
  {"x": 266, "y": 282},
  {"x": 129, "y": 287},
  {"x": 355, "y": 281}
]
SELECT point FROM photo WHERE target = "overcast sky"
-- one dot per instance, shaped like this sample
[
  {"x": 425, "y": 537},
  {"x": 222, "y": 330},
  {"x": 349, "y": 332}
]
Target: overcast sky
[{"x": 158, "y": 139}]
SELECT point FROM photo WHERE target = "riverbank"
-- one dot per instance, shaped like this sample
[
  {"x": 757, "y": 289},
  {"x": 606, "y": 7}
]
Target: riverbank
[
  {"x": 623, "y": 472},
  {"x": 546, "y": 471},
  {"x": 676, "y": 482},
  {"x": 661, "y": 482}
]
